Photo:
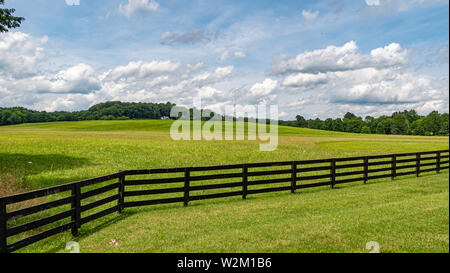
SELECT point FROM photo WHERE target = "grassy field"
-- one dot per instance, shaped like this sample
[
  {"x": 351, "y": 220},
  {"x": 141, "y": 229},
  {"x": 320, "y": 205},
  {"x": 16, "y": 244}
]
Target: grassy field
[{"x": 407, "y": 215}]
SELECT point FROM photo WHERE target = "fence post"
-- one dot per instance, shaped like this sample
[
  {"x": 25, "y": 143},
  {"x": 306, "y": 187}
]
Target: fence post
[
  {"x": 333, "y": 172},
  {"x": 394, "y": 167},
  {"x": 121, "y": 199},
  {"x": 3, "y": 227},
  {"x": 244, "y": 181},
  {"x": 294, "y": 177},
  {"x": 438, "y": 162},
  {"x": 187, "y": 174},
  {"x": 76, "y": 206},
  {"x": 417, "y": 164},
  {"x": 366, "y": 169}
]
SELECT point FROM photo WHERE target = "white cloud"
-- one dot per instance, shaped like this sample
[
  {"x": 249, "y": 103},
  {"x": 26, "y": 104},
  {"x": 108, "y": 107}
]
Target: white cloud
[
  {"x": 394, "y": 6},
  {"x": 223, "y": 71},
  {"x": 342, "y": 76},
  {"x": 138, "y": 6},
  {"x": 373, "y": 2},
  {"x": 219, "y": 74},
  {"x": 341, "y": 58},
  {"x": 403, "y": 88},
  {"x": 207, "y": 92},
  {"x": 310, "y": 15},
  {"x": 80, "y": 78},
  {"x": 195, "y": 67},
  {"x": 141, "y": 69},
  {"x": 20, "y": 53},
  {"x": 325, "y": 81},
  {"x": 305, "y": 79},
  {"x": 230, "y": 54},
  {"x": 263, "y": 89},
  {"x": 239, "y": 54},
  {"x": 73, "y": 2}
]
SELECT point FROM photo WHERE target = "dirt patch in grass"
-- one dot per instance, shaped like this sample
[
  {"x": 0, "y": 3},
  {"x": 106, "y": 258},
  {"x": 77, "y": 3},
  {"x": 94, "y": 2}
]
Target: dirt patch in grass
[{"x": 10, "y": 185}]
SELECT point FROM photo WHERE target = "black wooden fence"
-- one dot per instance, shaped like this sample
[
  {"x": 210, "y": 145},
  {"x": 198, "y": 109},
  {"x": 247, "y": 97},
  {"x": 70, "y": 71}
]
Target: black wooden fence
[{"x": 298, "y": 175}]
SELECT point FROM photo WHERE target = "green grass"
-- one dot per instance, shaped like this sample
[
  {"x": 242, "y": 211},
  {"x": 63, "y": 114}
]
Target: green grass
[{"x": 407, "y": 215}]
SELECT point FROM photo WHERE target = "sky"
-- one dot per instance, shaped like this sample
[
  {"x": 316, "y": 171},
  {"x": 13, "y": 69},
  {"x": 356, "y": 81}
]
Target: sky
[{"x": 313, "y": 58}]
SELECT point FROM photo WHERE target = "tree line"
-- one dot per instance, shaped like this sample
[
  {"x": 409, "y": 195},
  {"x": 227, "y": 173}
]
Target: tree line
[
  {"x": 113, "y": 110},
  {"x": 408, "y": 122}
]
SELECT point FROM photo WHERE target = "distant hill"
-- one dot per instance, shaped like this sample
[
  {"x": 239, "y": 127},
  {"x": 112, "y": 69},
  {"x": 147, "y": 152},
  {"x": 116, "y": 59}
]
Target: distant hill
[{"x": 399, "y": 123}]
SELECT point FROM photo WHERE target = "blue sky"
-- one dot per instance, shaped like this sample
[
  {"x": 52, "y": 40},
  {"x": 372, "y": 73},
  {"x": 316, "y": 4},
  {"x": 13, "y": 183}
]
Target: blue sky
[{"x": 315, "y": 58}]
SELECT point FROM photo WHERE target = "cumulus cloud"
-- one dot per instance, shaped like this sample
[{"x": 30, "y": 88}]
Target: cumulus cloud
[
  {"x": 138, "y": 6},
  {"x": 141, "y": 69},
  {"x": 81, "y": 85},
  {"x": 223, "y": 71},
  {"x": 403, "y": 88},
  {"x": 341, "y": 58},
  {"x": 264, "y": 88},
  {"x": 342, "y": 76},
  {"x": 262, "y": 92},
  {"x": 207, "y": 92},
  {"x": 305, "y": 79},
  {"x": 80, "y": 78},
  {"x": 20, "y": 53}
]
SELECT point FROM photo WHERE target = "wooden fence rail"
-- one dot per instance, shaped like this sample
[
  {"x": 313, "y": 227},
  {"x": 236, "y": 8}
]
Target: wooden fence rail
[{"x": 332, "y": 172}]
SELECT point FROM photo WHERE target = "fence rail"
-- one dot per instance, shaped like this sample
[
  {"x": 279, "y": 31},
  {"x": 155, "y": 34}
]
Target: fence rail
[{"x": 330, "y": 172}]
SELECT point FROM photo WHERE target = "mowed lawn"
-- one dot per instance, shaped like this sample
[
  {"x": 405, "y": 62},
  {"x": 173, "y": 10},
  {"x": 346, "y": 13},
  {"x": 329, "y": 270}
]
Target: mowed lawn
[{"x": 405, "y": 215}]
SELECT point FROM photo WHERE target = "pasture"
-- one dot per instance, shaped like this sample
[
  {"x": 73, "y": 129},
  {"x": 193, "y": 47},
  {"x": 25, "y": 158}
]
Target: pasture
[{"x": 405, "y": 215}]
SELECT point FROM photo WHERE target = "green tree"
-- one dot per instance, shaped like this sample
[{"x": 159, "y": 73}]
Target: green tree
[
  {"x": 399, "y": 125},
  {"x": 387, "y": 124},
  {"x": 432, "y": 123},
  {"x": 417, "y": 128},
  {"x": 315, "y": 124},
  {"x": 15, "y": 118},
  {"x": 349, "y": 115},
  {"x": 380, "y": 129},
  {"x": 7, "y": 20},
  {"x": 301, "y": 121},
  {"x": 353, "y": 125},
  {"x": 338, "y": 125},
  {"x": 365, "y": 129},
  {"x": 444, "y": 131},
  {"x": 328, "y": 124},
  {"x": 411, "y": 115}
]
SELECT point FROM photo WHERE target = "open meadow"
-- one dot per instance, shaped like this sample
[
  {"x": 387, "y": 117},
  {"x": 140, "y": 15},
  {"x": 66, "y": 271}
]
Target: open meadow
[{"x": 405, "y": 215}]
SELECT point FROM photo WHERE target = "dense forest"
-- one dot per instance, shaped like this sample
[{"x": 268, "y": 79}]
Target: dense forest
[{"x": 399, "y": 123}]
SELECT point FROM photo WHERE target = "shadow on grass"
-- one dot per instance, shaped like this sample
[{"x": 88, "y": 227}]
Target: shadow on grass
[{"x": 19, "y": 166}]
